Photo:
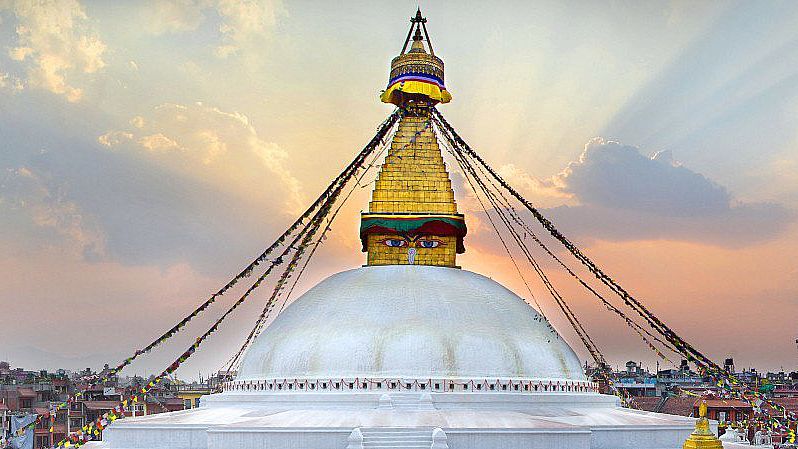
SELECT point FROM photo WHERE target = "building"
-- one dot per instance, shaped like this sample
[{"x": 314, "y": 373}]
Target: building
[
  {"x": 32, "y": 398},
  {"x": 24, "y": 392},
  {"x": 409, "y": 350},
  {"x": 190, "y": 394},
  {"x": 678, "y": 390},
  {"x": 725, "y": 410}
]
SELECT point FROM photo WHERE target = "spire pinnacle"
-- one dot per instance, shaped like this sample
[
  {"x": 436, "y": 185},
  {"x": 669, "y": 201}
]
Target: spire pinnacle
[
  {"x": 416, "y": 76},
  {"x": 417, "y": 36}
]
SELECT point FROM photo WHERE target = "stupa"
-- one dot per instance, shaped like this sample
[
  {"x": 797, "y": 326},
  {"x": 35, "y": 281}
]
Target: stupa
[{"x": 410, "y": 350}]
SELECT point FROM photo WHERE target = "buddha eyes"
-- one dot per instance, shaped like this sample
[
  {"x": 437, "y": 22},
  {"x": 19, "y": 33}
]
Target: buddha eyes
[
  {"x": 399, "y": 243},
  {"x": 428, "y": 243}
]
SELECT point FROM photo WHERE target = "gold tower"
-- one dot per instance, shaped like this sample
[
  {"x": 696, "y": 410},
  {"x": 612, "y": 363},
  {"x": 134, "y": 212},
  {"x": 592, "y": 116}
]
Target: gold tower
[{"x": 412, "y": 218}]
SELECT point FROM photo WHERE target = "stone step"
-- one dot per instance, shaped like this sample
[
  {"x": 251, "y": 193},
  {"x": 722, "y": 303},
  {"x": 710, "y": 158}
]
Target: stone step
[
  {"x": 394, "y": 437},
  {"x": 397, "y": 437},
  {"x": 406, "y": 401},
  {"x": 404, "y": 446},
  {"x": 401, "y": 442},
  {"x": 393, "y": 431}
]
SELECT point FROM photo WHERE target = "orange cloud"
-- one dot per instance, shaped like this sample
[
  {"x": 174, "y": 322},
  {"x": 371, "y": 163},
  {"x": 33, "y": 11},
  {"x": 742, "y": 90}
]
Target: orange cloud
[
  {"x": 219, "y": 147},
  {"x": 56, "y": 44}
]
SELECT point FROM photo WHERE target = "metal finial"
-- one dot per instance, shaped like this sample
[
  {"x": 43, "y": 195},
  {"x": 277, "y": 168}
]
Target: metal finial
[
  {"x": 418, "y": 36},
  {"x": 416, "y": 23}
]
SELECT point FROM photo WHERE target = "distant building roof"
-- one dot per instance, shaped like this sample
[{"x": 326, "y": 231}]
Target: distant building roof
[
  {"x": 647, "y": 403},
  {"x": 724, "y": 403},
  {"x": 167, "y": 405},
  {"x": 672, "y": 405},
  {"x": 26, "y": 392},
  {"x": 678, "y": 406},
  {"x": 100, "y": 405},
  {"x": 790, "y": 404}
]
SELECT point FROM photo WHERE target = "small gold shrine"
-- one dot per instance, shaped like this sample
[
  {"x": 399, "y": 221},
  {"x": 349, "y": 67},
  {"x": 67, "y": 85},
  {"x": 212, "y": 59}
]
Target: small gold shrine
[{"x": 702, "y": 437}]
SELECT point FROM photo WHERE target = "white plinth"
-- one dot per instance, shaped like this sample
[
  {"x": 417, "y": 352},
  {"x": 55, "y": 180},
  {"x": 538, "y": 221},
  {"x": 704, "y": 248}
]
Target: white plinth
[{"x": 469, "y": 420}]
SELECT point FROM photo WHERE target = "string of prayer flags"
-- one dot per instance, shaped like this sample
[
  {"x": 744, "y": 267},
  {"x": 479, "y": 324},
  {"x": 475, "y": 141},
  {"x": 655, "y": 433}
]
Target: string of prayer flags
[{"x": 674, "y": 341}]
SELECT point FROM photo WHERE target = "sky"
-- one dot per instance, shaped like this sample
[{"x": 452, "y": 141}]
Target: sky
[{"x": 150, "y": 150}]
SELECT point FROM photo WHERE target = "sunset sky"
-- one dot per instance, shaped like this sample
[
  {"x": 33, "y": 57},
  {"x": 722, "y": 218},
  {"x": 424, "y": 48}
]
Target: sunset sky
[{"x": 150, "y": 150}]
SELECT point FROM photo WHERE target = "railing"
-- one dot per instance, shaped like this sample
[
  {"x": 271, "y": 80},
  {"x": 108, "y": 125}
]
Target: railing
[{"x": 432, "y": 385}]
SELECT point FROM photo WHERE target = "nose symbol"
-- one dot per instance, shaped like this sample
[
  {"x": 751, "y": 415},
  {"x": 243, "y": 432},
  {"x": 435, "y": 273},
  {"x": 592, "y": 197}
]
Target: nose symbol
[{"x": 411, "y": 256}]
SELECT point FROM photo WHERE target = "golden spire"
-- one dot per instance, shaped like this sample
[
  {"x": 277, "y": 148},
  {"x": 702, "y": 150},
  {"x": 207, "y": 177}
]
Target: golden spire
[
  {"x": 412, "y": 218},
  {"x": 702, "y": 437}
]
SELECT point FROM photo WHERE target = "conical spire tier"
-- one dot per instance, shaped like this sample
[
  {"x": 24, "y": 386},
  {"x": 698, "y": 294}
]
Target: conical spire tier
[{"x": 412, "y": 216}]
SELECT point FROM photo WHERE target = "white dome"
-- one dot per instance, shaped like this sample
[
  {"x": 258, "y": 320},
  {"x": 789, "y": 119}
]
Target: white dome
[{"x": 409, "y": 321}]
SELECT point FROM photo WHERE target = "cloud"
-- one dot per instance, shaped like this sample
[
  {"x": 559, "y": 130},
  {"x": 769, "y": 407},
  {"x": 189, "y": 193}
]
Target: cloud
[
  {"x": 614, "y": 192},
  {"x": 220, "y": 147},
  {"x": 195, "y": 181},
  {"x": 239, "y": 22},
  {"x": 55, "y": 44},
  {"x": 175, "y": 16},
  {"x": 137, "y": 121},
  {"x": 158, "y": 141},
  {"x": 29, "y": 201},
  {"x": 242, "y": 21},
  {"x": 544, "y": 192},
  {"x": 113, "y": 138},
  {"x": 609, "y": 174},
  {"x": 738, "y": 226},
  {"x": 61, "y": 289},
  {"x": 7, "y": 81}
]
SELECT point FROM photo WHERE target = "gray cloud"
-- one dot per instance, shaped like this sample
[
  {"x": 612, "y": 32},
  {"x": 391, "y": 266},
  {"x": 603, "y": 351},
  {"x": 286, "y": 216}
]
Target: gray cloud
[
  {"x": 212, "y": 202},
  {"x": 197, "y": 182},
  {"x": 736, "y": 227},
  {"x": 621, "y": 194},
  {"x": 36, "y": 205},
  {"x": 239, "y": 23},
  {"x": 612, "y": 175}
]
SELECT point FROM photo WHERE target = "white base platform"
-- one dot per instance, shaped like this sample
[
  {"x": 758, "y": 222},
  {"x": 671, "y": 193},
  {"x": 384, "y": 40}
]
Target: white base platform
[{"x": 473, "y": 420}]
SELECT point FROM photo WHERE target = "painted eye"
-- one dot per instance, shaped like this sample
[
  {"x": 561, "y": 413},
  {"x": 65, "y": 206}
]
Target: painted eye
[
  {"x": 428, "y": 243},
  {"x": 395, "y": 243}
]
